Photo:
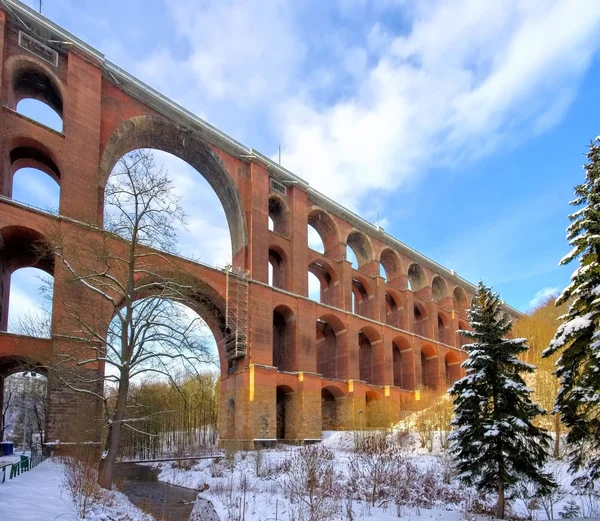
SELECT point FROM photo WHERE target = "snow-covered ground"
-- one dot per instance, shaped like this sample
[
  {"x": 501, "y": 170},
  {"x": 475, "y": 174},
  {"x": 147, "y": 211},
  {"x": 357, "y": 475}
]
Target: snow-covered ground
[
  {"x": 242, "y": 488},
  {"x": 40, "y": 495}
]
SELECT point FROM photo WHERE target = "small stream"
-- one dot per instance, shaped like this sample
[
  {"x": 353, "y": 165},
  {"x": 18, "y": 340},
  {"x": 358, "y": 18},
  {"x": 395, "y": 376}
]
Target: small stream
[{"x": 163, "y": 501}]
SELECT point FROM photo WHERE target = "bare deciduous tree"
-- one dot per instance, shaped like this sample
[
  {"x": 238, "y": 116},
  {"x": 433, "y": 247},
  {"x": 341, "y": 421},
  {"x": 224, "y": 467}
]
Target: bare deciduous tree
[{"x": 130, "y": 318}]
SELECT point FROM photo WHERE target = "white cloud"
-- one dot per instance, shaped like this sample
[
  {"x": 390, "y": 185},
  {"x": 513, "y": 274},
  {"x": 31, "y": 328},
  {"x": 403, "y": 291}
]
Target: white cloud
[
  {"x": 467, "y": 77},
  {"x": 543, "y": 295}
]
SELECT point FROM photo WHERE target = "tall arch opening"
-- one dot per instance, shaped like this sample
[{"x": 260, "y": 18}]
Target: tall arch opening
[
  {"x": 443, "y": 329},
  {"x": 284, "y": 338},
  {"x": 358, "y": 250},
  {"x": 26, "y": 280},
  {"x": 323, "y": 234},
  {"x": 403, "y": 371},
  {"x": 392, "y": 313},
  {"x": 284, "y": 412},
  {"x": 331, "y": 408},
  {"x": 390, "y": 265},
  {"x": 158, "y": 133},
  {"x": 24, "y": 402},
  {"x": 278, "y": 216},
  {"x": 329, "y": 351},
  {"x": 419, "y": 318},
  {"x": 462, "y": 340},
  {"x": 321, "y": 278},
  {"x": 365, "y": 358},
  {"x": 36, "y": 93},
  {"x": 439, "y": 290},
  {"x": 360, "y": 297},
  {"x": 277, "y": 272},
  {"x": 429, "y": 367}
]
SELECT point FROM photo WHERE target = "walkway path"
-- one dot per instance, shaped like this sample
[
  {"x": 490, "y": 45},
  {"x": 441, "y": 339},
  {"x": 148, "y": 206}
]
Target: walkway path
[{"x": 36, "y": 496}]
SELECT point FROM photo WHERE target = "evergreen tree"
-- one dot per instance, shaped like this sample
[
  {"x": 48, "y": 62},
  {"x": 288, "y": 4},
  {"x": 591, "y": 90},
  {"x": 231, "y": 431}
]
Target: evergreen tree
[
  {"x": 577, "y": 338},
  {"x": 495, "y": 444}
]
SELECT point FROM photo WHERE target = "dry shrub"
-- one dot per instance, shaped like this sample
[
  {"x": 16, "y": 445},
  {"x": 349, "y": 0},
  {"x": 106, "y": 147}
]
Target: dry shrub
[
  {"x": 81, "y": 479},
  {"x": 311, "y": 484}
]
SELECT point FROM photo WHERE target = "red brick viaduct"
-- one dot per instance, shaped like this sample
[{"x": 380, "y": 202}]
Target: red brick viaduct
[{"x": 290, "y": 366}]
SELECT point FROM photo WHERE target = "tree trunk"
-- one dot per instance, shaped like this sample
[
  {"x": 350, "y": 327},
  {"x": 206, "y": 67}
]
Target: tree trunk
[
  {"x": 556, "y": 436},
  {"x": 113, "y": 438},
  {"x": 500, "y": 511}
]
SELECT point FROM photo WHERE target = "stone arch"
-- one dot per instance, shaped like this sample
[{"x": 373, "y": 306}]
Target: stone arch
[
  {"x": 429, "y": 367},
  {"x": 402, "y": 363},
  {"x": 439, "y": 289},
  {"x": 284, "y": 395},
  {"x": 459, "y": 299},
  {"x": 329, "y": 329},
  {"x": 32, "y": 79},
  {"x": 452, "y": 367},
  {"x": 159, "y": 133},
  {"x": 416, "y": 277},
  {"x": 361, "y": 246},
  {"x": 325, "y": 226},
  {"x": 20, "y": 247},
  {"x": 361, "y": 294},
  {"x": 279, "y": 215},
  {"x": 391, "y": 263},
  {"x": 392, "y": 309},
  {"x": 326, "y": 274},
  {"x": 419, "y": 318},
  {"x": 278, "y": 267},
  {"x": 367, "y": 337},
  {"x": 443, "y": 328},
  {"x": 284, "y": 338},
  {"x": 331, "y": 407}
]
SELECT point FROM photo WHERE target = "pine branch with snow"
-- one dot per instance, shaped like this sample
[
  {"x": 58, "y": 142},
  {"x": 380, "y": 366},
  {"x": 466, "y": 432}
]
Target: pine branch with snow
[
  {"x": 495, "y": 444},
  {"x": 578, "y": 337}
]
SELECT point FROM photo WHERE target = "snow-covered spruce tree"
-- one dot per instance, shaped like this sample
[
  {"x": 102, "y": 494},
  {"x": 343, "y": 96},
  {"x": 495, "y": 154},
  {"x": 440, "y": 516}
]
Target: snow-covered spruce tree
[
  {"x": 495, "y": 444},
  {"x": 578, "y": 337}
]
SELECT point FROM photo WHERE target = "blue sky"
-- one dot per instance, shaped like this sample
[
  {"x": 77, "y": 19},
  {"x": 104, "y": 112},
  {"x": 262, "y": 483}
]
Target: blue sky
[{"x": 464, "y": 124}]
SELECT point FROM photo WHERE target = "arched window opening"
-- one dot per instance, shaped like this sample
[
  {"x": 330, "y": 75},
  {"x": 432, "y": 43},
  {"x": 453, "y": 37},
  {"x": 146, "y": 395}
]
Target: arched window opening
[
  {"x": 207, "y": 237},
  {"x": 328, "y": 363},
  {"x": 26, "y": 282},
  {"x": 36, "y": 95},
  {"x": 323, "y": 233},
  {"x": 34, "y": 187},
  {"x": 416, "y": 277},
  {"x": 330, "y": 397},
  {"x": 278, "y": 216},
  {"x": 320, "y": 282},
  {"x": 392, "y": 314},
  {"x": 439, "y": 290},
  {"x": 40, "y": 112},
  {"x": 459, "y": 298},
  {"x": 283, "y": 339},
  {"x": 419, "y": 321},
  {"x": 442, "y": 336},
  {"x": 365, "y": 358},
  {"x": 358, "y": 249},
  {"x": 452, "y": 369},
  {"x": 284, "y": 412},
  {"x": 403, "y": 371},
  {"x": 276, "y": 269},
  {"x": 429, "y": 369},
  {"x": 24, "y": 407},
  {"x": 389, "y": 265},
  {"x": 360, "y": 298}
]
